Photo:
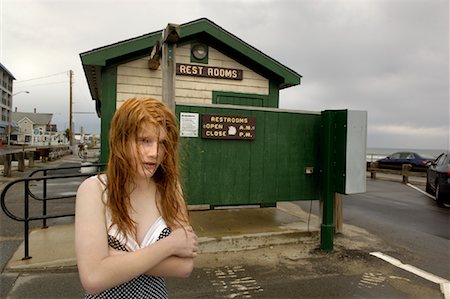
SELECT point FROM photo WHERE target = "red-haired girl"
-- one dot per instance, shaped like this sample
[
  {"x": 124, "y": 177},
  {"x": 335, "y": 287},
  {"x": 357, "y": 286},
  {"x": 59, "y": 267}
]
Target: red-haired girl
[{"x": 132, "y": 227}]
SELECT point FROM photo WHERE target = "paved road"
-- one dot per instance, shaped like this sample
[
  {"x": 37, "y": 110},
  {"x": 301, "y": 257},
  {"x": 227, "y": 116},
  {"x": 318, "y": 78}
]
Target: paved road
[
  {"x": 409, "y": 221},
  {"x": 406, "y": 219}
]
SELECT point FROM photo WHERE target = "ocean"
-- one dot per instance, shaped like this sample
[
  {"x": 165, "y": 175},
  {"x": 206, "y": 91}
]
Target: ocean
[{"x": 374, "y": 153}]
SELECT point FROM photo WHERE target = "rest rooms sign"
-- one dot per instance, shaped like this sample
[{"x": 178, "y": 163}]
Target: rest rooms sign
[
  {"x": 208, "y": 71},
  {"x": 228, "y": 127}
]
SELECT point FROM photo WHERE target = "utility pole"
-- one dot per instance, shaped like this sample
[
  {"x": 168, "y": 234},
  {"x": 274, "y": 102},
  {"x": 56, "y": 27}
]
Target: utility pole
[{"x": 70, "y": 109}]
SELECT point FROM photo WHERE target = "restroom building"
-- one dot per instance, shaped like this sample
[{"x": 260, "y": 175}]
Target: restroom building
[{"x": 213, "y": 66}]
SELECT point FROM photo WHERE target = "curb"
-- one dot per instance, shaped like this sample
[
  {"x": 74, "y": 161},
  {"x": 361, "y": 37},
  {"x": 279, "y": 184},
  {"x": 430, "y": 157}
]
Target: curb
[{"x": 251, "y": 241}]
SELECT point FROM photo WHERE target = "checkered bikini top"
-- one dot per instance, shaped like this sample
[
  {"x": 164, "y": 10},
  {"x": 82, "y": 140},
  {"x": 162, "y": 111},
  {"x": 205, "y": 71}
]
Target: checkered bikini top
[{"x": 143, "y": 286}]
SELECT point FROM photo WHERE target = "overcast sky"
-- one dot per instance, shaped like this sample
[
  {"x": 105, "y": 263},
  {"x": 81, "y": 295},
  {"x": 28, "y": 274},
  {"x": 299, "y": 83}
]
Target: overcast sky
[{"x": 387, "y": 57}]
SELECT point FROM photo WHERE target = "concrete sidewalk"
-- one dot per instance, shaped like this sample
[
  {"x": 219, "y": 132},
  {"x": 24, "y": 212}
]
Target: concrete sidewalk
[{"x": 221, "y": 230}]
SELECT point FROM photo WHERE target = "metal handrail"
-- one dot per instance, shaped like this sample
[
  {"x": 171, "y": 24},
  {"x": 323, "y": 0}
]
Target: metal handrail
[
  {"x": 27, "y": 193},
  {"x": 44, "y": 186},
  {"x": 46, "y": 170}
]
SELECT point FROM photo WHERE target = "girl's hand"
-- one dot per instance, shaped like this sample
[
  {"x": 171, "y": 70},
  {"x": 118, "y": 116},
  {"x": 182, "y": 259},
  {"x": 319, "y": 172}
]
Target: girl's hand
[{"x": 185, "y": 243}]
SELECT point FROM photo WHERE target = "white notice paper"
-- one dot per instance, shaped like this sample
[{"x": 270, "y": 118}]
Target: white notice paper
[{"x": 188, "y": 124}]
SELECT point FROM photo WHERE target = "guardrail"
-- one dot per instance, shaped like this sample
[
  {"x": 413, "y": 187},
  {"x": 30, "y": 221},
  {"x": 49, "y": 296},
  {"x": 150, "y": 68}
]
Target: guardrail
[
  {"x": 26, "y": 219},
  {"x": 16, "y": 153},
  {"x": 405, "y": 172}
]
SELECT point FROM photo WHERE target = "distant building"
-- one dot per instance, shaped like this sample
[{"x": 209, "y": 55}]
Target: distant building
[
  {"x": 92, "y": 140},
  {"x": 6, "y": 88},
  {"x": 35, "y": 129}
]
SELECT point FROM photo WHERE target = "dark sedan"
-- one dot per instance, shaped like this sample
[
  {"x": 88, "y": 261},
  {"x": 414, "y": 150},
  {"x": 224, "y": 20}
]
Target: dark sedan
[
  {"x": 395, "y": 161},
  {"x": 438, "y": 179}
]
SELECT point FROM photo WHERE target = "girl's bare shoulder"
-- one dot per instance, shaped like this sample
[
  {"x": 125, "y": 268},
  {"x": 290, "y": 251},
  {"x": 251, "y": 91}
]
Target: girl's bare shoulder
[{"x": 92, "y": 185}]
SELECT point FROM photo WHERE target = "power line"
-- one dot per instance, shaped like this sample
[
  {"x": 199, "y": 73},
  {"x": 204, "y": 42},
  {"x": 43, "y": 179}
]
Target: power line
[
  {"x": 43, "y": 84},
  {"x": 42, "y": 77}
]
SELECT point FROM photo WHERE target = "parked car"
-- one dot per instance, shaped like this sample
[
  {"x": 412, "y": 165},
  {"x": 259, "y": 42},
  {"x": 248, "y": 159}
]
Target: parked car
[
  {"x": 396, "y": 160},
  {"x": 438, "y": 179}
]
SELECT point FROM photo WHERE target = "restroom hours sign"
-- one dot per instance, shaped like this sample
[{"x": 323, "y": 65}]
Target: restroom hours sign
[{"x": 228, "y": 127}]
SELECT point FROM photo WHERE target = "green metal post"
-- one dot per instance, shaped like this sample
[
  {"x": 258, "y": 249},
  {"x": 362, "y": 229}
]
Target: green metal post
[{"x": 327, "y": 227}]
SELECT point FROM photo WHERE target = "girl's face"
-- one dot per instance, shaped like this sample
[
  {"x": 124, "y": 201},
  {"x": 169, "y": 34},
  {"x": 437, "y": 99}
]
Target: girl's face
[{"x": 150, "y": 150}]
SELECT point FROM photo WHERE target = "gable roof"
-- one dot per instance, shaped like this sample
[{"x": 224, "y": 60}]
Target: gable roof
[
  {"x": 23, "y": 119},
  {"x": 36, "y": 118},
  {"x": 201, "y": 29}
]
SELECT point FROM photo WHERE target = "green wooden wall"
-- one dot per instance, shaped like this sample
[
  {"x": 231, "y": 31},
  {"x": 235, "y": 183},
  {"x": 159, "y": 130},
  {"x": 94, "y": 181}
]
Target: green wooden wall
[{"x": 268, "y": 169}]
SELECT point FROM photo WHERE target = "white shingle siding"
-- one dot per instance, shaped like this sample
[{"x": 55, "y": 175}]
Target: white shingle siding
[{"x": 135, "y": 79}]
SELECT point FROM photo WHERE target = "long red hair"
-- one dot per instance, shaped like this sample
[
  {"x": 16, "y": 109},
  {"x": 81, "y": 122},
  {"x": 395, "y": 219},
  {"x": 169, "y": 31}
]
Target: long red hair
[{"x": 132, "y": 115}]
